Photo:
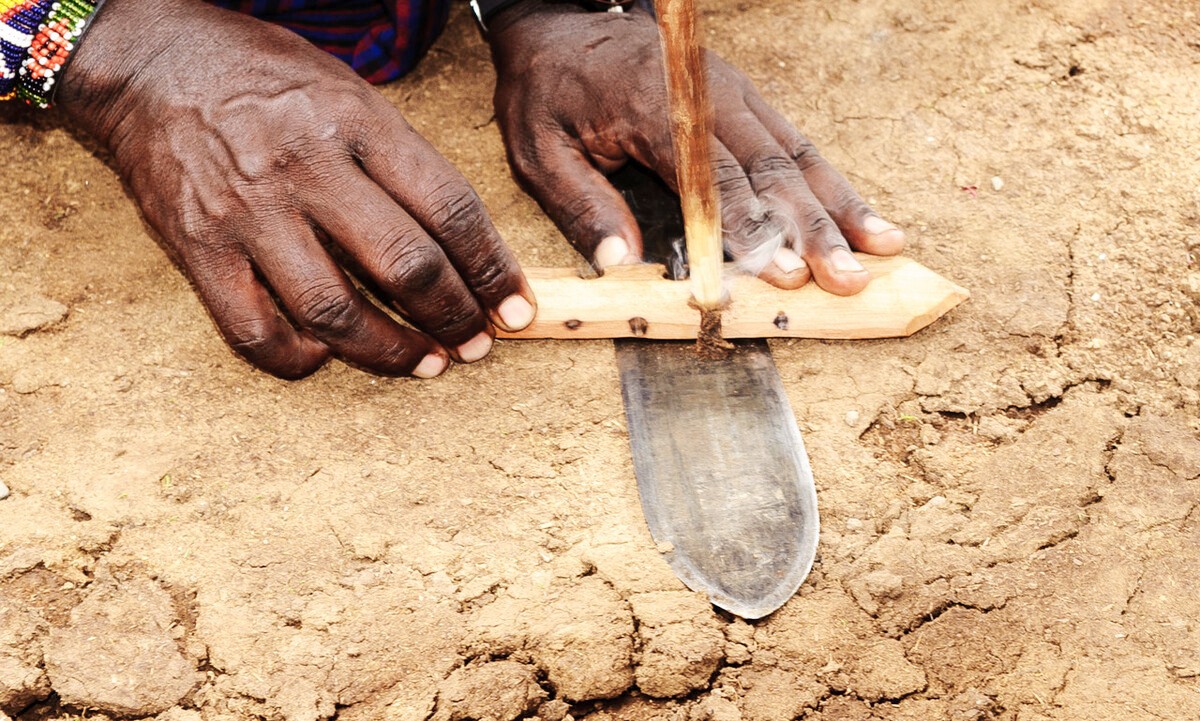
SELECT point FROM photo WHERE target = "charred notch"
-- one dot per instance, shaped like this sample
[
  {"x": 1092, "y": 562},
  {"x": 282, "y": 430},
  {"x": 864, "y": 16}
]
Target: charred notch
[
  {"x": 573, "y": 324},
  {"x": 781, "y": 321},
  {"x": 638, "y": 326},
  {"x": 709, "y": 343}
]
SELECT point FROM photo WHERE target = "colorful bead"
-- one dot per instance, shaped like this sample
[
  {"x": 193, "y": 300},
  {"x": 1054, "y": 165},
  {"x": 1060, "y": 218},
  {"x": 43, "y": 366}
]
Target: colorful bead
[{"x": 36, "y": 41}]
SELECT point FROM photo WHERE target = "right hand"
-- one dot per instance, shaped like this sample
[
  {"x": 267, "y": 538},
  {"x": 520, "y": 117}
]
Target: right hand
[
  {"x": 579, "y": 94},
  {"x": 249, "y": 150}
]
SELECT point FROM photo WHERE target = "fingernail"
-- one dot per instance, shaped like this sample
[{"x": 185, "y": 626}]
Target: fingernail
[
  {"x": 611, "y": 251},
  {"x": 431, "y": 366},
  {"x": 515, "y": 312},
  {"x": 844, "y": 262},
  {"x": 876, "y": 225},
  {"x": 788, "y": 261},
  {"x": 475, "y": 348}
]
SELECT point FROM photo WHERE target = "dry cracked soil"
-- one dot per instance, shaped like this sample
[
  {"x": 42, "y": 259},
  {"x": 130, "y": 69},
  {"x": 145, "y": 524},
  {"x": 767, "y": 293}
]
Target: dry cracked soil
[{"x": 1009, "y": 497}]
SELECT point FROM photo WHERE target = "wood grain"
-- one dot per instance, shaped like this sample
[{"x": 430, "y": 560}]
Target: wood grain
[
  {"x": 691, "y": 138},
  {"x": 638, "y": 302}
]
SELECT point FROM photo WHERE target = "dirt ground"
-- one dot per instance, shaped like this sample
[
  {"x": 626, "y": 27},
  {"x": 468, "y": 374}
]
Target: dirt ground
[{"x": 1009, "y": 498}]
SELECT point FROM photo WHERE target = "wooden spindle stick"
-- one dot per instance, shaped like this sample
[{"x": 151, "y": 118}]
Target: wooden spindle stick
[{"x": 691, "y": 123}]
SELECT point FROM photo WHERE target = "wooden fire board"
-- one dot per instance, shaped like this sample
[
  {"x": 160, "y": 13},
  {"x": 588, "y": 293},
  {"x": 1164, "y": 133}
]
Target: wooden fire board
[{"x": 639, "y": 302}]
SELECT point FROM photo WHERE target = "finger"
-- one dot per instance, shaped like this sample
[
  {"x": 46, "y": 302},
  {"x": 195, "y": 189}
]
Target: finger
[
  {"x": 747, "y": 232},
  {"x": 786, "y": 270},
  {"x": 322, "y": 301},
  {"x": 863, "y": 227},
  {"x": 778, "y": 183},
  {"x": 248, "y": 319},
  {"x": 579, "y": 199},
  {"x": 436, "y": 195},
  {"x": 406, "y": 266},
  {"x": 754, "y": 234}
]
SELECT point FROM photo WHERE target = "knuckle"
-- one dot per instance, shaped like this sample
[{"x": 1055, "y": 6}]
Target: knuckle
[
  {"x": 253, "y": 339},
  {"x": 410, "y": 265},
  {"x": 287, "y": 157},
  {"x": 579, "y": 219},
  {"x": 203, "y": 213},
  {"x": 399, "y": 357},
  {"x": 805, "y": 155},
  {"x": 769, "y": 162},
  {"x": 293, "y": 165},
  {"x": 193, "y": 223},
  {"x": 533, "y": 143},
  {"x": 755, "y": 225},
  {"x": 370, "y": 127},
  {"x": 729, "y": 176},
  {"x": 460, "y": 322},
  {"x": 210, "y": 263},
  {"x": 492, "y": 279},
  {"x": 328, "y": 310},
  {"x": 754, "y": 216},
  {"x": 818, "y": 224},
  {"x": 457, "y": 213},
  {"x": 264, "y": 343},
  {"x": 749, "y": 224},
  {"x": 291, "y": 155}
]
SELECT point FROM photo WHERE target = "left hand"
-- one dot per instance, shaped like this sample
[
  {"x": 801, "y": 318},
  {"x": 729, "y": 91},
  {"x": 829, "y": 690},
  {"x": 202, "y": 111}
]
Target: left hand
[
  {"x": 580, "y": 93},
  {"x": 274, "y": 176}
]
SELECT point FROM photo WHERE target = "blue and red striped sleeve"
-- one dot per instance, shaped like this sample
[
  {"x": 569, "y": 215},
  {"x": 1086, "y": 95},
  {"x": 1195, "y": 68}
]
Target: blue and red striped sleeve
[{"x": 380, "y": 39}]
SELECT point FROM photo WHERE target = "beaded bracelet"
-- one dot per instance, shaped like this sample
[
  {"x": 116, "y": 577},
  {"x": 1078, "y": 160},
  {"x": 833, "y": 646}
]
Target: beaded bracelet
[{"x": 36, "y": 41}]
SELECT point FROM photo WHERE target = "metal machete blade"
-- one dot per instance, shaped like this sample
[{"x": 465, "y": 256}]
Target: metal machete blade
[{"x": 721, "y": 470}]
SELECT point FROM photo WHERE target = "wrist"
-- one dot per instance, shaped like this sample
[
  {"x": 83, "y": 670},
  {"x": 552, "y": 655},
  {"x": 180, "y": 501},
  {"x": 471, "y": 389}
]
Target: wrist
[
  {"x": 118, "y": 48},
  {"x": 503, "y": 18},
  {"x": 522, "y": 17},
  {"x": 485, "y": 10}
]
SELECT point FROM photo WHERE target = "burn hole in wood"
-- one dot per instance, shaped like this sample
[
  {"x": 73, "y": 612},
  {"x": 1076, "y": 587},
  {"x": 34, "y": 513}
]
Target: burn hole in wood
[
  {"x": 781, "y": 321},
  {"x": 573, "y": 324},
  {"x": 638, "y": 326}
]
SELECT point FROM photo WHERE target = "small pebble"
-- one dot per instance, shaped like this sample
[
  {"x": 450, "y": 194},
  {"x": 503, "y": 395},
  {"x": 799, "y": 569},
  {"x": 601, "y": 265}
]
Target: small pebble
[
  {"x": 853, "y": 524},
  {"x": 26, "y": 381},
  {"x": 997, "y": 183},
  {"x": 851, "y": 418},
  {"x": 3, "y": 491},
  {"x": 30, "y": 315},
  {"x": 1095, "y": 296}
]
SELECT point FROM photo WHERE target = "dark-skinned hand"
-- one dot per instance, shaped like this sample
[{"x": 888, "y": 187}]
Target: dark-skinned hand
[
  {"x": 580, "y": 93},
  {"x": 255, "y": 155}
]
